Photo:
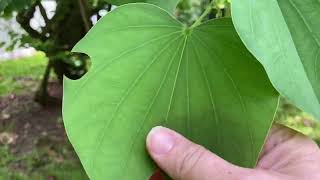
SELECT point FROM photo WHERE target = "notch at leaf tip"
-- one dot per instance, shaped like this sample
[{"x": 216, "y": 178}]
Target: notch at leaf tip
[
  {"x": 77, "y": 48},
  {"x": 78, "y": 65}
]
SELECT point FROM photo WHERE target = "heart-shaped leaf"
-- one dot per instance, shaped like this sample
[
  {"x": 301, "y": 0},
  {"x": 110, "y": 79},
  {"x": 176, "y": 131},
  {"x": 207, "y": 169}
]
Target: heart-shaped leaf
[
  {"x": 168, "y": 5},
  {"x": 148, "y": 70},
  {"x": 284, "y": 35}
]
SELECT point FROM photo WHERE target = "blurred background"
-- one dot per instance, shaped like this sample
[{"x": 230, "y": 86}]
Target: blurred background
[{"x": 36, "y": 37}]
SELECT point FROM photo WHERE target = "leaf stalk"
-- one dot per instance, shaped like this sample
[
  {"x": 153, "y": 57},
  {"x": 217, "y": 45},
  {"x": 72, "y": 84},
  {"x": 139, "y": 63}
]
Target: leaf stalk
[{"x": 203, "y": 15}]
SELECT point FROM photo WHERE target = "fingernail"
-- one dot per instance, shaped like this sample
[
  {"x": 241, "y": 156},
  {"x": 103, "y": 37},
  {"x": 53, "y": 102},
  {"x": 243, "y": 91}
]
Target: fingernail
[{"x": 160, "y": 141}]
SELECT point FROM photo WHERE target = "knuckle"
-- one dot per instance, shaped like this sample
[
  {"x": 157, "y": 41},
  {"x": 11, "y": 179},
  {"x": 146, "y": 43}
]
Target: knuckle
[{"x": 190, "y": 159}]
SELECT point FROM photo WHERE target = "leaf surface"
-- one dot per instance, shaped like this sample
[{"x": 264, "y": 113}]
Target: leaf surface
[
  {"x": 284, "y": 35},
  {"x": 168, "y": 5},
  {"x": 149, "y": 70}
]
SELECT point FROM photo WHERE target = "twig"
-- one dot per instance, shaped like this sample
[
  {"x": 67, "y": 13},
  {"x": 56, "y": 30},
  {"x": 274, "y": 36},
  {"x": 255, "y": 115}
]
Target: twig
[
  {"x": 203, "y": 15},
  {"x": 84, "y": 15},
  {"x": 43, "y": 13}
]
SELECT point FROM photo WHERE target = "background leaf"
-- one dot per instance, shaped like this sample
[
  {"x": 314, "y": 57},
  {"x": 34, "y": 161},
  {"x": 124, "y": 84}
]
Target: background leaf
[
  {"x": 149, "y": 70},
  {"x": 168, "y": 5},
  {"x": 284, "y": 35},
  {"x": 4, "y": 4}
]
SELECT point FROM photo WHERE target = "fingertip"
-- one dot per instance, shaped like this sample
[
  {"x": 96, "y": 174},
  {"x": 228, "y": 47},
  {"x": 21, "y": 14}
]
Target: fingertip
[{"x": 160, "y": 141}]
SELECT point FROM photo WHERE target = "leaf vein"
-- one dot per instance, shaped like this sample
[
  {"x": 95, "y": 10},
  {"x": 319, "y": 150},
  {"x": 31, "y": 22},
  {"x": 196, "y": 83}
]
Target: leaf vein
[
  {"x": 188, "y": 122},
  {"x": 244, "y": 109},
  {"x": 84, "y": 82},
  {"x": 176, "y": 77},
  {"x": 149, "y": 109},
  {"x": 210, "y": 94},
  {"x": 126, "y": 94},
  {"x": 305, "y": 22}
]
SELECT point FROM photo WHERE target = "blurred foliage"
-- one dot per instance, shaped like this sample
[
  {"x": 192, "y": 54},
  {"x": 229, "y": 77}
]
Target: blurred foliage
[
  {"x": 9, "y": 6},
  {"x": 189, "y": 10},
  {"x": 70, "y": 21},
  {"x": 298, "y": 120}
]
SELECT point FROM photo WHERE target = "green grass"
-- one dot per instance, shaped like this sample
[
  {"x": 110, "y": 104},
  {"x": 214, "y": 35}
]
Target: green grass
[
  {"x": 15, "y": 75},
  {"x": 65, "y": 170}
]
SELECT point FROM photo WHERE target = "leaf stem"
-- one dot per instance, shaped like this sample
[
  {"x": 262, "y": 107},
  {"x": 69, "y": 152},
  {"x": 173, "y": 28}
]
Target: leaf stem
[{"x": 203, "y": 15}]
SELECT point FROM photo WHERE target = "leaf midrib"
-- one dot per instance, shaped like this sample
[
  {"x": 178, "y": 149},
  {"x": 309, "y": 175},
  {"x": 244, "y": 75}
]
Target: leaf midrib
[{"x": 176, "y": 77}]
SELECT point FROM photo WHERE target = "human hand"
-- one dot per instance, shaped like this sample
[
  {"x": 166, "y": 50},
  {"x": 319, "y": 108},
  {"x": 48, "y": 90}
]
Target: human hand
[{"x": 287, "y": 155}]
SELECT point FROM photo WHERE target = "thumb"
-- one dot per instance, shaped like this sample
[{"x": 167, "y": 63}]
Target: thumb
[{"x": 182, "y": 159}]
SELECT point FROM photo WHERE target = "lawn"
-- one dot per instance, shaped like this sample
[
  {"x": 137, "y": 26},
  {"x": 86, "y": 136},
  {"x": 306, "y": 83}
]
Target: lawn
[
  {"x": 51, "y": 156},
  {"x": 20, "y": 74}
]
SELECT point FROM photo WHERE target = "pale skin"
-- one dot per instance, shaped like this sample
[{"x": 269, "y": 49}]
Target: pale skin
[{"x": 287, "y": 155}]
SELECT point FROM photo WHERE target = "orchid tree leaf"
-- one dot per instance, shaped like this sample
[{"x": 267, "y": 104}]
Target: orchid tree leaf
[
  {"x": 168, "y": 5},
  {"x": 149, "y": 70},
  {"x": 284, "y": 35}
]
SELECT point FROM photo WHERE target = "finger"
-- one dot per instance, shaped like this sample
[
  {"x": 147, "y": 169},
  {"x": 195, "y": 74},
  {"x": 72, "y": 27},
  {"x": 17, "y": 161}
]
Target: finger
[
  {"x": 182, "y": 159},
  {"x": 289, "y": 151},
  {"x": 157, "y": 176}
]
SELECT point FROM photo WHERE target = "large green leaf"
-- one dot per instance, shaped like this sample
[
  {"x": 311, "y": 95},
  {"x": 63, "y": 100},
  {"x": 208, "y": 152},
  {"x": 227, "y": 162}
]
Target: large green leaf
[
  {"x": 149, "y": 70},
  {"x": 168, "y": 5},
  {"x": 284, "y": 35}
]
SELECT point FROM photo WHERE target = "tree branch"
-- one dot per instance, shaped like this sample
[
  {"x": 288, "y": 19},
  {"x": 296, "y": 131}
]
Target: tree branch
[
  {"x": 84, "y": 15},
  {"x": 24, "y": 17},
  {"x": 43, "y": 13},
  {"x": 109, "y": 7}
]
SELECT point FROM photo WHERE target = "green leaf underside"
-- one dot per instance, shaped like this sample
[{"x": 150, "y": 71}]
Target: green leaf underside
[
  {"x": 284, "y": 35},
  {"x": 168, "y": 5},
  {"x": 149, "y": 70}
]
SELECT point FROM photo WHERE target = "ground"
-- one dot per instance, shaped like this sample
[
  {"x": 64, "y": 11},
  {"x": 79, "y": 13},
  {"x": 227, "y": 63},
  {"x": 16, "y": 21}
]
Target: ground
[{"x": 33, "y": 143}]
